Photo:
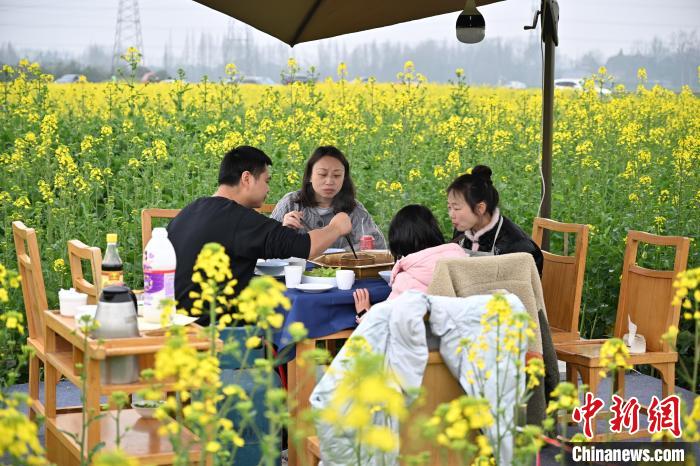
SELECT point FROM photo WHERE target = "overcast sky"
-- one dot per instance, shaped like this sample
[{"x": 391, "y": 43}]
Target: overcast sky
[{"x": 603, "y": 25}]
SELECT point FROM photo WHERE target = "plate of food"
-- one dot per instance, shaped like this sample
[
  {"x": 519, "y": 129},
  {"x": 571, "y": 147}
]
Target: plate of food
[
  {"x": 323, "y": 275},
  {"x": 314, "y": 287},
  {"x": 146, "y": 408},
  {"x": 367, "y": 264}
]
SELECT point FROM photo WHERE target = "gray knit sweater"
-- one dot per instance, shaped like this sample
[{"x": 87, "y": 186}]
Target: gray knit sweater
[{"x": 318, "y": 217}]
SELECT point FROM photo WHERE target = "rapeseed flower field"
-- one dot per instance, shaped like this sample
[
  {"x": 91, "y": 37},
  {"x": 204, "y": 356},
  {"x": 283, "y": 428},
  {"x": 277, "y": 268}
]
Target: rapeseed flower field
[{"x": 82, "y": 160}]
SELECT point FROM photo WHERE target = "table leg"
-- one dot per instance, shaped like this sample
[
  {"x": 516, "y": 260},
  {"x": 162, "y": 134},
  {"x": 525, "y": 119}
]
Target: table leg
[
  {"x": 51, "y": 375},
  {"x": 92, "y": 402},
  {"x": 300, "y": 383},
  {"x": 34, "y": 381}
]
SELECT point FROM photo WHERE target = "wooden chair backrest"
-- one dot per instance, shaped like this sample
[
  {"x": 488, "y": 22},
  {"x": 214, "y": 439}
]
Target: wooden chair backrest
[
  {"x": 562, "y": 275},
  {"x": 32, "y": 278},
  {"x": 439, "y": 386},
  {"x": 147, "y": 216},
  {"x": 266, "y": 208},
  {"x": 646, "y": 294},
  {"x": 78, "y": 252}
]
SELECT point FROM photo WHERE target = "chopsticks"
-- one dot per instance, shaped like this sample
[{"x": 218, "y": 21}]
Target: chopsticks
[{"x": 347, "y": 237}]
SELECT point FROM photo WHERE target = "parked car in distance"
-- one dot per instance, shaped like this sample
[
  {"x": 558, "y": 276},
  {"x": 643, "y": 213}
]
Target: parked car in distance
[
  {"x": 568, "y": 83},
  {"x": 576, "y": 84},
  {"x": 515, "y": 85},
  {"x": 68, "y": 78},
  {"x": 297, "y": 78},
  {"x": 256, "y": 80}
]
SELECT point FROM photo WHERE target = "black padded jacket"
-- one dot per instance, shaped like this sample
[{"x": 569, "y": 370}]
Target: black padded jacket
[{"x": 511, "y": 238}]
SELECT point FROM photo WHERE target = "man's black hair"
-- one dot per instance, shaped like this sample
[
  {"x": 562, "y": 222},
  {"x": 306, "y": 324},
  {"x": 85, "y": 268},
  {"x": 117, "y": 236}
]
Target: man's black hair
[{"x": 239, "y": 160}]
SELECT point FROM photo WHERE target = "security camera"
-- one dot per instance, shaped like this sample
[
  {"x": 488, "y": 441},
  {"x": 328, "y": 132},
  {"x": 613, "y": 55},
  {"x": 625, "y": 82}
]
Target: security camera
[{"x": 471, "y": 27}]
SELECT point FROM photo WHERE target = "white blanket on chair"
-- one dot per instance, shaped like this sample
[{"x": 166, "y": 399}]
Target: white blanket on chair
[{"x": 396, "y": 329}]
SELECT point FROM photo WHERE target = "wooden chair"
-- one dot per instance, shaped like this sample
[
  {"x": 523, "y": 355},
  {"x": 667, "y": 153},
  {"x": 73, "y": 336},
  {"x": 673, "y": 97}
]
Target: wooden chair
[
  {"x": 78, "y": 252},
  {"x": 562, "y": 278},
  {"x": 301, "y": 379},
  {"x": 34, "y": 294},
  {"x": 645, "y": 297},
  {"x": 266, "y": 208},
  {"x": 440, "y": 387},
  {"x": 147, "y": 216}
]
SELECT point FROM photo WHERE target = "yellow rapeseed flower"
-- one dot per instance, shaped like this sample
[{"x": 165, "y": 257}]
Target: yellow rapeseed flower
[{"x": 614, "y": 355}]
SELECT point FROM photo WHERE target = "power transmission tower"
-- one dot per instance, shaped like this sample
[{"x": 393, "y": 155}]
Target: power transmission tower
[{"x": 128, "y": 33}]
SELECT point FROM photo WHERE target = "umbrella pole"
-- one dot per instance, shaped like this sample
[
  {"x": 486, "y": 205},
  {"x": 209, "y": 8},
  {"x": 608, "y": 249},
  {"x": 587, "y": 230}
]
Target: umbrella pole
[
  {"x": 547, "y": 127},
  {"x": 548, "y": 37}
]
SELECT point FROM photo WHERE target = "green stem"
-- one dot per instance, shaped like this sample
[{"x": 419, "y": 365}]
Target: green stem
[
  {"x": 118, "y": 440},
  {"x": 694, "y": 386}
]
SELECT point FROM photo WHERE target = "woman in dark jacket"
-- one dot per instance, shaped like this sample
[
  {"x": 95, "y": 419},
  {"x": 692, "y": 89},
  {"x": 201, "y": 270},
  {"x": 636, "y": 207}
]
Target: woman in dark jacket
[{"x": 472, "y": 202}]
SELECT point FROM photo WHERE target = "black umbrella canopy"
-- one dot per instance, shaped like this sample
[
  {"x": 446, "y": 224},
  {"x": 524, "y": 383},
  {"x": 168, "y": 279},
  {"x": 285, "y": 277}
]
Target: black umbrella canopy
[{"x": 296, "y": 21}]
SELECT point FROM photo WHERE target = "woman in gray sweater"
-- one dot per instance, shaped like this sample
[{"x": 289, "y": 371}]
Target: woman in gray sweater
[{"x": 327, "y": 188}]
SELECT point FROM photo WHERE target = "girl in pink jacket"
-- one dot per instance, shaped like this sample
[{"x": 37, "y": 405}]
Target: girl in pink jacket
[{"x": 417, "y": 244}]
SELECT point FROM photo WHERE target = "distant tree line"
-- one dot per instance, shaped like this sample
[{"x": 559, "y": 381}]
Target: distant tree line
[{"x": 672, "y": 63}]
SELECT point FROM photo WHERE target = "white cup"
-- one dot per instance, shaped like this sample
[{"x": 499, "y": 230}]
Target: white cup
[
  {"x": 345, "y": 279},
  {"x": 69, "y": 300},
  {"x": 292, "y": 275}
]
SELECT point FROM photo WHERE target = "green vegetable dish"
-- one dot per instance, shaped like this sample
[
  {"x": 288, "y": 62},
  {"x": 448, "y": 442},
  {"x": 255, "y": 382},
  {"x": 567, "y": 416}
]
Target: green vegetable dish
[
  {"x": 148, "y": 403},
  {"x": 322, "y": 272}
]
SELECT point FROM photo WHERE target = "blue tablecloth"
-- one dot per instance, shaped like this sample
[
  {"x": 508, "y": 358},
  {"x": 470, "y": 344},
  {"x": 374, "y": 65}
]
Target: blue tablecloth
[{"x": 325, "y": 313}]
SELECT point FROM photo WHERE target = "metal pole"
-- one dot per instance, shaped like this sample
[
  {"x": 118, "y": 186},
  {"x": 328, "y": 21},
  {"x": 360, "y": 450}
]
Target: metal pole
[{"x": 547, "y": 115}]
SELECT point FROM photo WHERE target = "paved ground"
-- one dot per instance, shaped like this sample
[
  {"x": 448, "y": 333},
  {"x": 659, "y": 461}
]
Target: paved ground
[{"x": 638, "y": 385}]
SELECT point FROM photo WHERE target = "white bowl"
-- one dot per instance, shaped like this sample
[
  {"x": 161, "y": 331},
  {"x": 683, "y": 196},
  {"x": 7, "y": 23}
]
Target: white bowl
[
  {"x": 386, "y": 275},
  {"x": 271, "y": 266},
  {"x": 319, "y": 280},
  {"x": 143, "y": 411}
]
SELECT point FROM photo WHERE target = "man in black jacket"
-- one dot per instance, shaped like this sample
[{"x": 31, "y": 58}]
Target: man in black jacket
[{"x": 228, "y": 218}]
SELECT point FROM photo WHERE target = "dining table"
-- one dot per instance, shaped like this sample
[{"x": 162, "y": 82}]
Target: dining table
[
  {"x": 328, "y": 317},
  {"x": 81, "y": 359},
  {"x": 324, "y": 313}
]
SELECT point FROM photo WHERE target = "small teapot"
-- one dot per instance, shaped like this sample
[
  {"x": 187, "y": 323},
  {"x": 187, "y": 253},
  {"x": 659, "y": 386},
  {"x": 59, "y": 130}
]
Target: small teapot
[
  {"x": 117, "y": 318},
  {"x": 116, "y": 313}
]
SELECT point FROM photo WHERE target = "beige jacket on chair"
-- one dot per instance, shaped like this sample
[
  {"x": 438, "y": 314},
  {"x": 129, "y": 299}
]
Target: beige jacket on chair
[
  {"x": 516, "y": 273},
  {"x": 470, "y": 276}
]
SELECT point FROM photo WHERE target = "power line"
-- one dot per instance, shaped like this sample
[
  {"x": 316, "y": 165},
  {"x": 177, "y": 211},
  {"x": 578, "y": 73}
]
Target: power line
[{"x": 128, "y": 33}]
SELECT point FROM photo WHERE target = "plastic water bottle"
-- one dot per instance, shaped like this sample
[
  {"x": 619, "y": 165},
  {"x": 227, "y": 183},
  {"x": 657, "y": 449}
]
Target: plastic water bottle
[{"x": 159, "y": 263}]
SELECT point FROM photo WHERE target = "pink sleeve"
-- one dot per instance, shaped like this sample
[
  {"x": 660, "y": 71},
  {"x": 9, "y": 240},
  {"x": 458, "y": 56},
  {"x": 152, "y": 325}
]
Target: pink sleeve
[{"x": 404, "y": 282}]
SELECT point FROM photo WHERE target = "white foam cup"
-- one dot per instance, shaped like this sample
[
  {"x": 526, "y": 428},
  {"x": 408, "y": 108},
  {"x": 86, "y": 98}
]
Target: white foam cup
[
  {"x": 345, "y": 279},
  {"x": 292, "y": 275},
  {"x": 69, "y": 300}
]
